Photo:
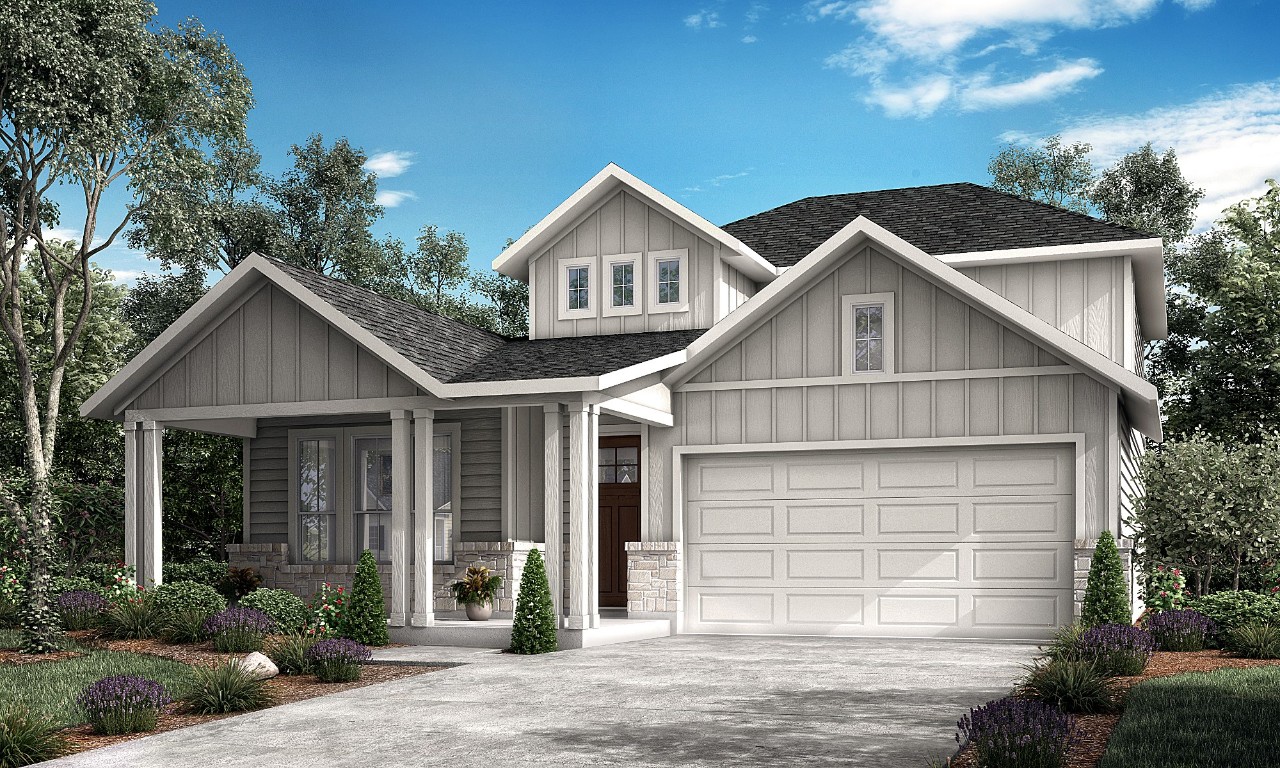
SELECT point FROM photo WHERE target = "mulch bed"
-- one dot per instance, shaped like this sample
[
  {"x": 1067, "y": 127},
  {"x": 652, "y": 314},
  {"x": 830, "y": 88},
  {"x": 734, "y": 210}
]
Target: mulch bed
[
  {"x": 1095, "y": 730},
  {"x": 13, "y": 658}
]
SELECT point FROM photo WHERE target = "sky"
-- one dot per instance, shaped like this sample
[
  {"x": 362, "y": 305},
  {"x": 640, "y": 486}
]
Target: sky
[{"x": 482, "y": 117}]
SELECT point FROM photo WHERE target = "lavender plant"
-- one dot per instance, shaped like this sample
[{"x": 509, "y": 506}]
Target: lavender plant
[
  {"x": 80, "y": 609},
  {"x": 1017, "y": 733},
  {"x": 338, "y": 660},
  {"x": 1116, "y": 649},
  {"x": 238, "y": 630},
  {"x": 123, "y": 704},
  {"x": 1185, "y": 630}
]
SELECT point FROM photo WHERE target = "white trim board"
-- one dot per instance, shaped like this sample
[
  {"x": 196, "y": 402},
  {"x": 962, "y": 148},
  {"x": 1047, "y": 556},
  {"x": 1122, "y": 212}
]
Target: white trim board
[{"x": 879, "y": 378}]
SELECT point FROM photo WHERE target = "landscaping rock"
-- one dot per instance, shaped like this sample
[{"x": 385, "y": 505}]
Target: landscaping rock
[{"x": 259, "y": 666}]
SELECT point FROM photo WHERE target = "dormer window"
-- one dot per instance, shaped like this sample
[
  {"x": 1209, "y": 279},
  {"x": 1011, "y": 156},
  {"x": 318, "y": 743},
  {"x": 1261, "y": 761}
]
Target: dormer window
[
  {"x": 669, "y": 270},
  {"x": 624, "y": 289},
  {"x": 578, "y": 281},
  {"x": 579, "y": 288},
  {"x": 867, "y": 333}
]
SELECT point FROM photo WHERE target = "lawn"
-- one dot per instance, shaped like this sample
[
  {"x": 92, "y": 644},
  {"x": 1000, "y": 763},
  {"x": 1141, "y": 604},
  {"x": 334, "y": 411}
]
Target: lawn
[
  {"x": 10, "y": 639},
  {"x": 1222, "y": 719}
]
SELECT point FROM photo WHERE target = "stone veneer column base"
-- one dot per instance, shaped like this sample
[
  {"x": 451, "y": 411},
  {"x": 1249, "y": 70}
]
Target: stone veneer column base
[
  {"x": 655, "y": 579},
  {"x": 1084, "y": 558}
]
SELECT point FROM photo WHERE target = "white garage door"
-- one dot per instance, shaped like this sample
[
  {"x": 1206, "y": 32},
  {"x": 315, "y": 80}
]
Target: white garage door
[{"x": 913, "y": 543}]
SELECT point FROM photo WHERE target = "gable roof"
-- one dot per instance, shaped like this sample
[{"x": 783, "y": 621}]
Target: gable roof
[
  {"x": 514, "y": 261},
  {"x": 1140, "y": 398},
  {"x": 939, "y": 220}
]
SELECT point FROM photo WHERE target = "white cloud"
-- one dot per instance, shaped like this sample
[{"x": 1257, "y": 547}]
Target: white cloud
[
  {"x": 919, "y": 99},
  {"x": 748, "y": 39},
  {"x": 703, "y": 19},
  {"x": 389, "y": 164},
  {"x": 981, "y": 93},
  {"x": 1195, "y": 5},
  {"x": 717, "y": 181},
  {"x": 128, "y": 276},
  {"x": 390, "y": 198},
  {"x": 1228, "y": 143}
]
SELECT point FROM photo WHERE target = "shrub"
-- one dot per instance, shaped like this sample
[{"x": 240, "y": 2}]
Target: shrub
[
  {"x": 1235, "y": 609},
  {"x": 1255, "y": 641},
  {"x": 238, "y": 582},
  {"x": 283, "y": 607},
  {"x": 10, "y": 596},
  {"x": 238, "y": 630},
  {"x": 534, "y": 627},
  {"x": 1077, "y": 687},
  {"x": 1180, "y": 630},
  {"x": 27, "y": 737},
  {"x": 337, "y": 660},
  {"x": 1165, "y": 589},
  {"x": 290, "y": 653},
  {"x": 1106, "y": 598},
  {"x": 123, "y": 704},
  {"x": 184, "y": 626},
  {"x": 1017, "y": 733},
  {"x": 81, "y": 609},
  {"x": 121, "y": 584},
  {"x": 134, "y": 619},
  {"x": 478, "y": 586},
  {"x": 1116, "y": 649},
  {"x": 175, "y": 597},
  {"x": 226, "y": 688},
  {"x": 366, "y": 620},
  {"x": 64, "y": 584},
  {"x": 328, "y": 610},
  {"x": 205, "y": 571}
]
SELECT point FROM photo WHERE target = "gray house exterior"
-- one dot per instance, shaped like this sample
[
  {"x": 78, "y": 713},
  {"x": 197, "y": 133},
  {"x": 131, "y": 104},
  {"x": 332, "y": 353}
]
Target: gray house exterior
[{"x": 905, "y": 413}]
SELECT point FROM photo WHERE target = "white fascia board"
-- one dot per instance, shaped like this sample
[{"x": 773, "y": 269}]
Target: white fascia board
[
  {"x": 1140, "y": 395},
  {"x": 465, "y": 389},
  {"x": 1148, "y": 270},
  {"x": 514, "y": 261}
]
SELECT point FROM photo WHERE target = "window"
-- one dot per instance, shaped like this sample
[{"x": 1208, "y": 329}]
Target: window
[
  {"x": 579, "y": 288},
  {"x": 867, "y": 333},
  {"x": 670, "y": 291},
  {"x": 624, "y": 289},
  {"x": 577, "y": 283},
  {"x": 443, "y": 506},
  {"x": 624, "y": 285},
  {"x": 372, "y": 507},
  {"x": 620, "y": 464},
  {"x": 317, "y": 497}
]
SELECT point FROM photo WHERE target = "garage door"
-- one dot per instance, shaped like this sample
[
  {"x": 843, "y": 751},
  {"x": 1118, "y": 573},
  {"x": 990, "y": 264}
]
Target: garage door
[{"x": 938, "y": 543}]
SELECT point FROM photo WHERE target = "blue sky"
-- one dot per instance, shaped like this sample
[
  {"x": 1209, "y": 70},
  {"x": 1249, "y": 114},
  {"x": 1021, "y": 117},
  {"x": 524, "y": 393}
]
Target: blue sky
[{"x": 484, "y": 116}]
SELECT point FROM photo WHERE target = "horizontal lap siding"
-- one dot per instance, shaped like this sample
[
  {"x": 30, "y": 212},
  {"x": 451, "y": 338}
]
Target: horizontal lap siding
[{"x": 269, "y": 486}]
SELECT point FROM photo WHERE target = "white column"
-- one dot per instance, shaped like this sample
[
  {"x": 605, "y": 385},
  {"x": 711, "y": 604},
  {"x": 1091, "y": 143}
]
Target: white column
[
  {"x": 401, "y": 500},
  {"x": 553, "y": 506},
  {"x": 593, "y": 494},
  {"x": 149, "y": 533},
  {"x": 583, "y": 542},
  {"x": 424, "y": 556},
  {"x": 132, "y": 441}
]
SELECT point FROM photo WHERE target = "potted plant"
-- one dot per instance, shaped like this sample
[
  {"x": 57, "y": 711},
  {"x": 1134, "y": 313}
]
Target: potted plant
[{"x": 476, "y": 591}]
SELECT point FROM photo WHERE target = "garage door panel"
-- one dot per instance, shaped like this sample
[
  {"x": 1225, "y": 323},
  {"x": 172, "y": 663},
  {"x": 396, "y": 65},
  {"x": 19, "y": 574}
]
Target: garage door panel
[
  {"x": 894, "y": 518},
  {"x": 934, "y": 564},
  {"x": 733, "y": 480},
  {"x": 1042, "y": 472},
  {"x": 829, "y": 477},
  {"x": 732, "y": 522},
  {"x": 1024, "y": 516},
  {"x": 829, "y": 566},
  {"x": 734, "y": 608},
  {"x": 1020, "y": 610},
  {"x": 826, "y": 609},
  {"x": 1021, "y": 565},
  {"x": 839, "y": 518},
  {"x": 918, "y": 474},
  {"x": 918, "y": 610},
  {"x": 736, "y": 565}
]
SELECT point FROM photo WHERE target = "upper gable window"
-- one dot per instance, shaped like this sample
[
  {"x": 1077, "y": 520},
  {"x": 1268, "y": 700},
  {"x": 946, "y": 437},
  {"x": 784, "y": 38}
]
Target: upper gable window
[
  {"x": 867, "y": 333},
  {"x": 624, "y": 291},
  {"x": 669, "y": 270},
  {"x": 578, "y": 288}
]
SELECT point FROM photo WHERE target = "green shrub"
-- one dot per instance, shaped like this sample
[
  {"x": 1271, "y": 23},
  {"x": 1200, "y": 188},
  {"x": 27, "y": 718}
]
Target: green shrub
[
  {"x": 1106, "y": 597},
  {"x": 289, "y": 653},
  {"x": 174, "y": 597},
  {"x": 205, "y": 571},
  {"x": 238, "y": 582},
  {"x": 534, "y": 627},
  {"x": 226, "y": 688},
  {"x": 1076, "y": 687},
  {"x": 64, "y": 584},
  {"x": 184, "y": 626},
  {"x": 1255, "y": 641},
  {"x": 282, "y": 606},
  {"x": 135, "y": 619},
  {"x": 27, "y": 738},
  {"x": 1235, "y": 609},
  {"x": 366, "y": 620}
]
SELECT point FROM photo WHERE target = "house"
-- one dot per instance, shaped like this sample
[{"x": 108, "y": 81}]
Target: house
[{"x": 898, "y": 413}]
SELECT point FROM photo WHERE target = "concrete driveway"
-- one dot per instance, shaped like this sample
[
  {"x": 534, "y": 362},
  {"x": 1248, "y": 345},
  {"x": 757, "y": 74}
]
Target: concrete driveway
[{"x": 688, "y": 700}]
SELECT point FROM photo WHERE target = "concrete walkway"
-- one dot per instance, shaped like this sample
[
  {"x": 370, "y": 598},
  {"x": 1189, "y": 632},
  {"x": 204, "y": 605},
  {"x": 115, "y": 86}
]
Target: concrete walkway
[{"x": 688, "y": 700}]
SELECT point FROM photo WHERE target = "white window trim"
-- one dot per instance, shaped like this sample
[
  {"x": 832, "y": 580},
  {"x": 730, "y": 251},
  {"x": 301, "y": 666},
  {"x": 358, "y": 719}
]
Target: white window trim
[
  {"x": 847, "y": 304},
  {"x": 680, "y": 254},
  {"x": 593, "y": 288},
  {"x": 636, "y": 261}
]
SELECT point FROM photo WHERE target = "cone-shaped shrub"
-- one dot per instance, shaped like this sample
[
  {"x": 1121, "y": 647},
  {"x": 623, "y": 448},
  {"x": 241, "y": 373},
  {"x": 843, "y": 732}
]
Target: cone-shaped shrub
[
  {"x": 1106, "y": 598},
  {"x": 366, "y": 620},
  {"x": 534, "y": 627}
]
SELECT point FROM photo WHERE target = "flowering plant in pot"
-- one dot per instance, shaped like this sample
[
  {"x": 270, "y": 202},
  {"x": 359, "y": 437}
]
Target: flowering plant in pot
[{"x": 476, "y": 591}]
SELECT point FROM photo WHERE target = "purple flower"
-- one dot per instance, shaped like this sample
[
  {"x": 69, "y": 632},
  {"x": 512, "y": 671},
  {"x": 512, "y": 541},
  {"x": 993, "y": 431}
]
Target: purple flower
[
  {"x": 81, "y": 601},
  {"x": 1017, "y": 732},
  {"x": 339, "y": 651},
  {"x": 1185, "y": 630},
  {"x": 240, "y": 620},
  {"x": 122, "y": 694}
]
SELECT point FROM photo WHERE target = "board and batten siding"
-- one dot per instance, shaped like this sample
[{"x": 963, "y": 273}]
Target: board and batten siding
[
  {"x": 481, "y": 470},
  {"x": 271, "y": 349},
  {"x": 735, "y": 289},
  {"x": 1084, "y": 298}
]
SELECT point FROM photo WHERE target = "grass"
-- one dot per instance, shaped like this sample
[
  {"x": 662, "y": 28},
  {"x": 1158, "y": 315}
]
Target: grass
[
  {"x": 50, "y": 688},
  {"x": 10, "y": 639},
  {"x": 1222, "y": 719}
]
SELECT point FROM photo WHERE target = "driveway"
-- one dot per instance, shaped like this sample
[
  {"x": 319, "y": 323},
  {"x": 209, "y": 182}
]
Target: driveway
[{"x": 688, "y": 700}]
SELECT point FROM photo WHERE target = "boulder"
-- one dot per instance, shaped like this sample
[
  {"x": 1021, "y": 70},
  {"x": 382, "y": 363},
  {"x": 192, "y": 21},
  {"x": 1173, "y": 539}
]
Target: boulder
[{"x": 259, "y": 666}]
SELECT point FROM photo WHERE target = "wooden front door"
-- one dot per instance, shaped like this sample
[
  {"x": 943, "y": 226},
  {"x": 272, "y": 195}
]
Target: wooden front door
[{"x": 619, "y": 480}]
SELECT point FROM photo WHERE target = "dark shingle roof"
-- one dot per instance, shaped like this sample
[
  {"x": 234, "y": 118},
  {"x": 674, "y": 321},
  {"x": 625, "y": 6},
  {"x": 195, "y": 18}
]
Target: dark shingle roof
[
  {"x": 453, "y": 351},
  {"x": 947, "y": 218}
]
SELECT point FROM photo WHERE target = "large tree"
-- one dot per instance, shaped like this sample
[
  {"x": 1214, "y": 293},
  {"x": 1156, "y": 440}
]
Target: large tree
[
  {"x": 1147, "y": 191},
  {"x": 1057, "y": 174},
  {"x": 93, "y": 96}
]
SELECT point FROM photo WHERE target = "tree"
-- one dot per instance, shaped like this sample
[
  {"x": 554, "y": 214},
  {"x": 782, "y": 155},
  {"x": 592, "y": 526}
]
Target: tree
[
  {"x": 439, "y": 266},
  {"x": 533, "y": 629},
  {"x": 1147, "y": 191},
  {"x": 365, "y": 619},
  {"x": 92, "y": 93},
  {"x": 1106, "y": 596},
  {"x": 1055, "y": 174},
  {"x": 509, "y": 299}
]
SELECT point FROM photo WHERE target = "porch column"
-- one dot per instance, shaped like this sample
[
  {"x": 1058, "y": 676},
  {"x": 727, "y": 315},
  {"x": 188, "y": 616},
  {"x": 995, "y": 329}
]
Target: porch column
[
  {"x": 553, "y": 506},
  {"x": 142, "y": 500},
  {"x": 401, "y": 499},
  {"x": 584, "y": 544},
  {"x": 132, "y": 441},
  {"x": 424, "y": 556}
]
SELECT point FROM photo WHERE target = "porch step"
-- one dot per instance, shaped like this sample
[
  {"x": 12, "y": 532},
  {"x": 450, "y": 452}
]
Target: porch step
[{"x": 496, "y": 633}]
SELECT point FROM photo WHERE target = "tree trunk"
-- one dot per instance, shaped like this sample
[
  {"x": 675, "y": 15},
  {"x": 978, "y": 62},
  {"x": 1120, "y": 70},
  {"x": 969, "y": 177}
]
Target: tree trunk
[{"x": 41, "y": 626}]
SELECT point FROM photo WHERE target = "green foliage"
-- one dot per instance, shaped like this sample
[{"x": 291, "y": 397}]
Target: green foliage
[
  {"x": 478, "y": 586},
  {"x": 239, "y": 582},
  {"x": 365, "y": 620},
  {"x": 1106, "y": 596},
  {"x": 226, "y": 688},
  {"x": 1165, "y": 589},
  {"x": 283, "y": 607},
  {"x": 184, "y": 625},
  {"x": 136, "y": 619},
  {"x": 289, "y": 653},
  {"x": 174, "y": 597},
  {"x": 27, "y": 738},
  {"x": 1055, "y": 174},
  {"x": 1231, "y": 609},
  {"x": 1255, "y": 641},
  {"x": 1076, "y": 687},
  {"x": 1147, "y": 191},
  {"x": 203, "y": 488},
  {"x": 201, "y": 571},
  {"x": 1065, "y": 643},
  {"x": 1222, "y": 719},
  {"x": 534, "y": 627}
]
